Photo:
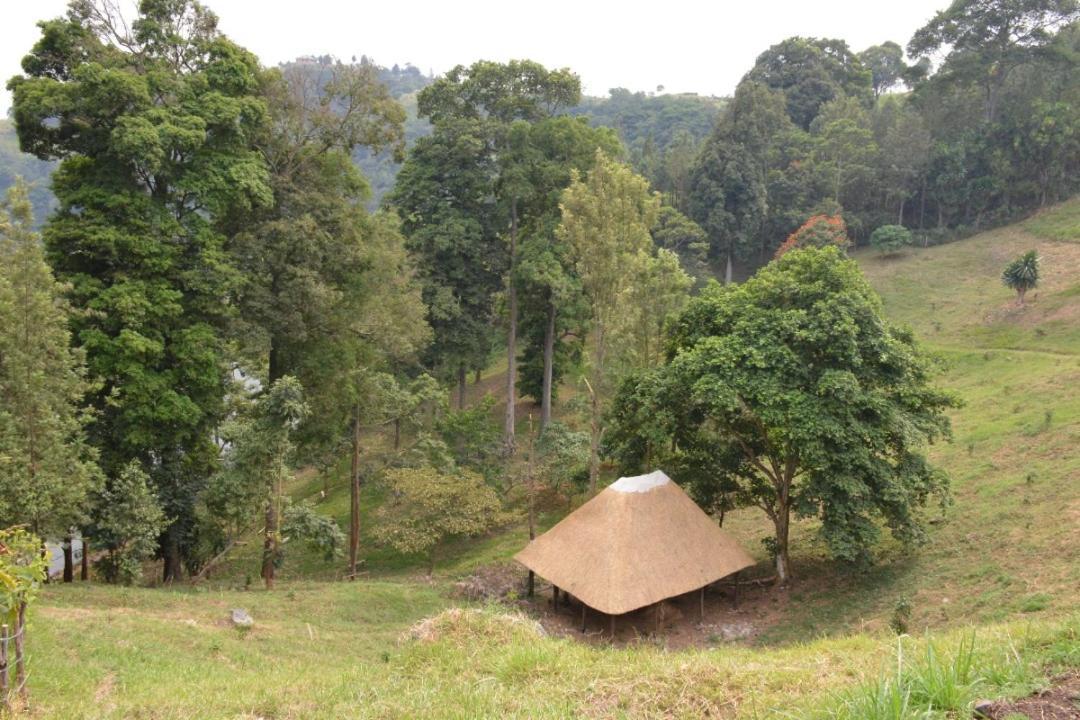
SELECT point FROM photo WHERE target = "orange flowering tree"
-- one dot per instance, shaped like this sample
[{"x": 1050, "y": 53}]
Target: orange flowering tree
[{"x": 819, "y": 231}]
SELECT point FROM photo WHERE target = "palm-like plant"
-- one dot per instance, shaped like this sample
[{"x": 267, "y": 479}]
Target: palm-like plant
[{"x": 1022, "y": 274}]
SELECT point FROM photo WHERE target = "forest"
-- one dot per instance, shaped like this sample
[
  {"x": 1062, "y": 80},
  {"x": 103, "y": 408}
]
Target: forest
[{"x": 243, "y": 270}]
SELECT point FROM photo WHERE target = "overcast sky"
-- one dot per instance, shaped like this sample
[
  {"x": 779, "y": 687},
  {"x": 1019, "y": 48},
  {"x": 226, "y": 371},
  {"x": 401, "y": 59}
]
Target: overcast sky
[{"x": 685, "y": 46}]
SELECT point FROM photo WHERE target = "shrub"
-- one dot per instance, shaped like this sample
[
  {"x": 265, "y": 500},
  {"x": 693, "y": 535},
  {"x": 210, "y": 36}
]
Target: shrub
[
  {"x": 889, "y": 239},
  {"x": 819, "y": 231}
]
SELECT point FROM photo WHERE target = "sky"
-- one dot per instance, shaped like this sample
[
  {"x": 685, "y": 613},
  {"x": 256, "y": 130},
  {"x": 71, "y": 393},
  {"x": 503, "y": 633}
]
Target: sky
[{"x": 682, "y": 45}]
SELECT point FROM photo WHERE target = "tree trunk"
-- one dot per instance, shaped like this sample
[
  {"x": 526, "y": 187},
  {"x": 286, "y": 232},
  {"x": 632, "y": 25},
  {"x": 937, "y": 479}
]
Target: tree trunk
[
  {"x": 476, "y": 376},
  {"x": 461, "y": 387},
  {"x": 511, "y": 339},
  {"x": 728, "y": 271},
  {"x": 783, "y": 560},
  {"x": 269, "y": 544},
  {"x": 1020, "y": 292},
  {"x": 69, "y": 561},
  {"x": 173, "y": 571},
  {"x": 549, "y": 365},
  {"x": 274, "y": 366},
  {"x": 594, "y": 442},
  {"x": 84, "y": 570},
  {"x": 354, "y": 497},
  {"x": 900, "y": 215}
]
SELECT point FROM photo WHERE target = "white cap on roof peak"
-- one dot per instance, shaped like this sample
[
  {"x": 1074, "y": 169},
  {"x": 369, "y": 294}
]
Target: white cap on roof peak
[{"x": 640, "y": 483}]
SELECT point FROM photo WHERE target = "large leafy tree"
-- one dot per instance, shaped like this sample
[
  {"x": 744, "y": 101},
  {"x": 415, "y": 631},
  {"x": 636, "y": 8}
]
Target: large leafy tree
[
  {"x": 154, "y": 124},
  {"x": 989, "y": 39},
  {"x": 886, "y": 65},
  {"x": 497, "y": 98},
  {"x": 47, "y": 468},
  {"x": 811, "y": 404},
  {"x": 810, "y": 72}
]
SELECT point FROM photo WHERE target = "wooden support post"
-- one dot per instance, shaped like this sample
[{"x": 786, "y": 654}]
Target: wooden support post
[
  {"x": 702, "y": 603},
  {"x": 4, "y": 666},
  {"x": 20, "y": 657},
  {"x": 735, "y": 593},
  {"x": 612, "y": 627},
  {"x": 532, "y": 582},
  {"x": 555, "y": 597},
  {"x": 583, "y": 609}
]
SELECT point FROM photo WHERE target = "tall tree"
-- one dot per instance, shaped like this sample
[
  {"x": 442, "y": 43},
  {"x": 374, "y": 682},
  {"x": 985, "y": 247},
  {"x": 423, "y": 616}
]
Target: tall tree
[
  {"x": 989, "y": 39},
  {"x": 606, "y": 219},
  {"x": 154, "y": 125},
  {"x": 886, "y": 65},
  {"x": 495, "y": 96},
  {"x": 47, "y": 468}
]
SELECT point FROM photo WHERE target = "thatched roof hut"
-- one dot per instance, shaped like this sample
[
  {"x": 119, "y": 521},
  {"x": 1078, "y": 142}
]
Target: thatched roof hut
[{"x": 639, "y": 541}]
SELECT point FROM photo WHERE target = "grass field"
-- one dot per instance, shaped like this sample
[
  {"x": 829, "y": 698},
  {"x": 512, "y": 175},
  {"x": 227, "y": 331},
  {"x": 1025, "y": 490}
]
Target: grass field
[{"x": 1002, "y": 558}]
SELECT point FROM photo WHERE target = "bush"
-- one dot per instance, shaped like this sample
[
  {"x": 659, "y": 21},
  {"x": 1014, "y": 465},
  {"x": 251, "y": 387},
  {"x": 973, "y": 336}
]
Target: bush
[{"x": 889, "y": 239}]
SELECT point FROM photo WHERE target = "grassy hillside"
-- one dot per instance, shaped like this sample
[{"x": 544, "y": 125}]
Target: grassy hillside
[{"x": 1003, "y": 557}]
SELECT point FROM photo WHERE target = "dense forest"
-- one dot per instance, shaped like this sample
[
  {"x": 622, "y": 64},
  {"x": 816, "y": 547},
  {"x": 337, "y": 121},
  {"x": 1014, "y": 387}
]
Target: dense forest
[{"x": 247, "y": 268}]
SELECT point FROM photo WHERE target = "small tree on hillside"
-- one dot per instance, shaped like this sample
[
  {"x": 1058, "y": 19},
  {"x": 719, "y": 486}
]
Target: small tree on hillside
[
  {"x": 1022, "y": 274},
  {"x": 890, "y": 239},
  {"x": 127, "y": 522},
  {"x": 428, "y": 507},
  {"x": 819, "y": 231},
  {"x": 811, "y": 402}
]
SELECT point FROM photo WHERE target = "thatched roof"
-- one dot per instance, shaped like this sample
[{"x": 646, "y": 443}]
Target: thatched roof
[{"x": 637, "y": 542}]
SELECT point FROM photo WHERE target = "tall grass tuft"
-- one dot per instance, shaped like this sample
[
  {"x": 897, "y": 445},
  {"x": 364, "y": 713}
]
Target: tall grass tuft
[{"x": 945, "y": 683}]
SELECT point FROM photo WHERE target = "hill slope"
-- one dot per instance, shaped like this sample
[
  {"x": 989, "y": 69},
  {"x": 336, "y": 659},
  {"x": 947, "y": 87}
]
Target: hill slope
[{"x": 1005, "y": 552}]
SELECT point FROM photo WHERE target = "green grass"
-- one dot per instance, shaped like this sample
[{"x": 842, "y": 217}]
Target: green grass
[
  {"x": 1001, "y": 558},
  {"x": 1061, "y": 222}
]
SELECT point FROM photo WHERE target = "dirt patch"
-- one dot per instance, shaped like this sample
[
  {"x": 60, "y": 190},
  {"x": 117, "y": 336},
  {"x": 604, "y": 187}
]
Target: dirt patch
[
  {"x": 498, "y": 582},
  {"x": 1061, "y": 701},
  {"x": 674, "y": 624}
]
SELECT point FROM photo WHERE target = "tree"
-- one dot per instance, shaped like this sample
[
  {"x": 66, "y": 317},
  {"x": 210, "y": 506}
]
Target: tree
[
  {"x": 812, "y": 403},
  {"x": 989, "y": 39},
  {"x": 1022, "y": 274},
  {"x": 818, "y": 232},
  {"x": 886, "y": 65},
  {"x": 844, "y": 148},
  {"x": 501, "y": 99},
  {"x": 428, "y": 507},
  {"x": 154, "y": 126},
  {"x": 810, "y": 72},
  {"x": 606, "y": 220},
  {"x": 890, "y": 239},
  {"x": 443, "y": 194},
  {"x": 257, "y": 462},
  {"x": 47, "y": 468},
  {"x": 684, "y": 237},
  {"x": 126, "y": 524}
]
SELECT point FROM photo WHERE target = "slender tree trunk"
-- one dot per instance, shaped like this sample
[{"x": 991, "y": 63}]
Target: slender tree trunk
[
  {"x": 900, "y": 215},
  {"x": 531, "y": 482},
  {"x": 269, "y": 544},
  {"x": 84, "y": 570},
  {"x": 69, "y": 560},
  {"x": 728, "y": 271},
  {"x": 173, "y": 570},
  {"x": 354, "y": 496},
  {"x": 549, "y": 366},
  {"x": 461, "y": 386},
  {"x": 922, "y": 204},
  {"x": 782, "y": 522},
  {"x": 511, "y": 340},
  {"x": 476, "y": 376}
]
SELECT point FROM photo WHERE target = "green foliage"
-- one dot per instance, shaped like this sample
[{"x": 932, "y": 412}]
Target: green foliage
[
  {"x": 15, "y": 164},
  {"x": 890, "y": 239},
  {"x": 1022, "y": 274},
  {"x": 473, "y": 438},
  {"x": 23, "y": 568},
  {"x": 126, "y": 524},
  {"x": 429, "y": 507},
  {"x": 47, "y": 468},
  {"x": 886, "y": 65},
  {"x": 321, "y": 533},
  {"x": 810, "y": 400},
  {"x": 175, "y": 110},
  {"x": 901, "y": 616}
]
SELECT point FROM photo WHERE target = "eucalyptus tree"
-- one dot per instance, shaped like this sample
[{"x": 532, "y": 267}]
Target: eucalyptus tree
[{"x": 154, "y": 124}]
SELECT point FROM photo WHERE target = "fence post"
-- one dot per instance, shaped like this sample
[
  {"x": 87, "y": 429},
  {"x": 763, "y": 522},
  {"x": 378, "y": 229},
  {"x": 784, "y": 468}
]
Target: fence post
[
  {"x": 20, "y": 658},
  {"x": 4, "y": 665}
]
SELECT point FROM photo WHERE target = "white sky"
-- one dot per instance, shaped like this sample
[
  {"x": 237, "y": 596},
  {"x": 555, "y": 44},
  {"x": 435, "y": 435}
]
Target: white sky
[{"x": 685, "y": 46}]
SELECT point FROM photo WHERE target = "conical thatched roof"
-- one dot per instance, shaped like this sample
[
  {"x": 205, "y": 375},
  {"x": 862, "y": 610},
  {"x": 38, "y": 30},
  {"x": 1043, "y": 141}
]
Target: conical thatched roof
[{"x": 639, "y": 541}]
